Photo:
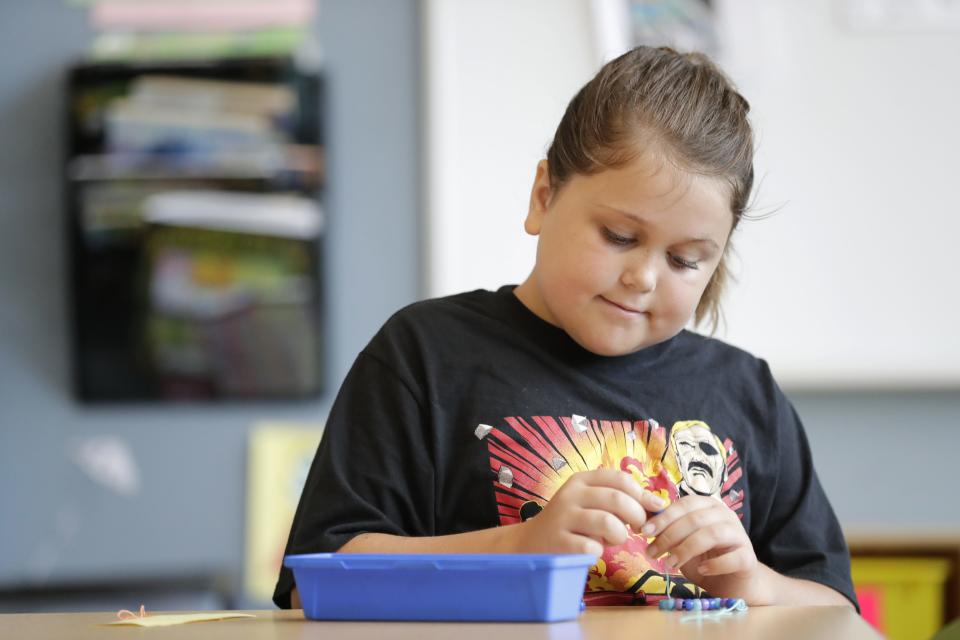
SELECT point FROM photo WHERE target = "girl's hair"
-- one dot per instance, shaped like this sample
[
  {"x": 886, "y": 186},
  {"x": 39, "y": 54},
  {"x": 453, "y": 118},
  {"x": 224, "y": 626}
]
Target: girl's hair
[{"x": 680, "y": 105}]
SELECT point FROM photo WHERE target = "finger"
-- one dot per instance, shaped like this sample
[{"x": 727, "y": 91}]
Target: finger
[
  {"x": 621, "y": 504},
  {"x": 602, "y": 526},
  {"x": 625, "y": 482},
  {"x": 678, "y": 530},
  {"x": 675, "y": 511},
  {"x": 740, "y": 560},
  {"x": 722, "y": 537},
  {"x": 576, "y": 543},
  {"x": 652, "y": 502}
]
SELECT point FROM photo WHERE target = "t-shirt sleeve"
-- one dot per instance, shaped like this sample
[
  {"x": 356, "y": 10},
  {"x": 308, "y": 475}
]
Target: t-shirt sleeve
[
  {"x": 799, "y": 535},
  {"x": 373, "y": 470}
]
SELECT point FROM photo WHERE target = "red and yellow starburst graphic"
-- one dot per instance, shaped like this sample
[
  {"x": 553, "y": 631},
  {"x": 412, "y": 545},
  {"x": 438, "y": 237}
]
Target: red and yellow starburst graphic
[{"x": 543, "y": 452}]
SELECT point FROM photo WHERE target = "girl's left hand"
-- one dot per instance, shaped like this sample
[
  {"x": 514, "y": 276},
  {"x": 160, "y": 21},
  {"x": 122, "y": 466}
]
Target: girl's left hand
[{"x": 706, "y": 541}]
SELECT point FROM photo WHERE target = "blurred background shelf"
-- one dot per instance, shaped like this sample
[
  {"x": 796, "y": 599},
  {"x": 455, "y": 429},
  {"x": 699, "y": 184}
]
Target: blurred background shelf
[
  {"x": 238, "y": 135},
  {"x": 907, "y": 580}
]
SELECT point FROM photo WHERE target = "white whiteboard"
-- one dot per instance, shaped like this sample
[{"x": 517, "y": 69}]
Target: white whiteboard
[{"x": 851, "y": 284}]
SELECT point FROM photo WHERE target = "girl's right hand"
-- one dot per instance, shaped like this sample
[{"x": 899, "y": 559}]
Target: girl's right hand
[{"x": 590, "y": 511}]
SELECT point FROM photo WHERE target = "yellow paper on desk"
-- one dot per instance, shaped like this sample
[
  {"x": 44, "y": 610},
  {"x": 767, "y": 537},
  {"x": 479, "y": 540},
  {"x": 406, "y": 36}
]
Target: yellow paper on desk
[{"x": 167, "y": 619}]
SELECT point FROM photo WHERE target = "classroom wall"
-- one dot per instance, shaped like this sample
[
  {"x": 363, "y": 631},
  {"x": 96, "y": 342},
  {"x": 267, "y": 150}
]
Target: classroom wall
[
  {"x": 57, "y": 525},
  {"x": 856, "y": 140}
]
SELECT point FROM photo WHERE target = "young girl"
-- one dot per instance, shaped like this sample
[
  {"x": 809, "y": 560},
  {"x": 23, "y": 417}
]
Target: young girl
[{"x": 574, "y": 413}]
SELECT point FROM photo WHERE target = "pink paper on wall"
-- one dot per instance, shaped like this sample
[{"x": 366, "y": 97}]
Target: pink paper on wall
[{"x": 200, "y": 16}]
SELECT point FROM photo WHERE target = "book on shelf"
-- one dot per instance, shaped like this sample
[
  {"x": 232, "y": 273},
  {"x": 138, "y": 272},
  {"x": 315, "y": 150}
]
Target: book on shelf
[
  {"x": 175, "y": 30},
  {"x": 289, "y": 166},
  {"x": 231, "y": 306},
  {"x": 210, "y": 95},
  {"x": 191, "y": 15},
  {"x": 178, "y": 45}
]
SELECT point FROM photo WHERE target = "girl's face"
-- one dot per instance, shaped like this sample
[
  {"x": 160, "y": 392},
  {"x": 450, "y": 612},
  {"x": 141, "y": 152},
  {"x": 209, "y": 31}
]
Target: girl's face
[{"x": 624, "y": 255}]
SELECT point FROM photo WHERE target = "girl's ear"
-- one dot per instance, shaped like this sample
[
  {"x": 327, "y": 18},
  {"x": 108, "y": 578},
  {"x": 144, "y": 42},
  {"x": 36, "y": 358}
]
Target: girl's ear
[{"x": 540, "y": 196}]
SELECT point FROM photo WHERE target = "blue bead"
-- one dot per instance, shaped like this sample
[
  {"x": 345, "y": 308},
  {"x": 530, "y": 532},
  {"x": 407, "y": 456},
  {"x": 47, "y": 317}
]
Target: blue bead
[
  {"x": 666, "y": 605},
  {"x": 729, "y": 602},
  {"x": 688, "y": 604}
]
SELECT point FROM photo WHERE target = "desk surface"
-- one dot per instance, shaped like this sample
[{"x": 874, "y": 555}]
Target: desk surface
[{"x": 604, "y": 623}]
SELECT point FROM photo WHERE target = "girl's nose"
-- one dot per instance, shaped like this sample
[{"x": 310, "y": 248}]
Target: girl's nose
[{"x": 640, "y": 273}]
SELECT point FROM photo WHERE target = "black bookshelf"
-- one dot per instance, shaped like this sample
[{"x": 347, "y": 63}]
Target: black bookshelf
[{"x": 121, "y": 346}]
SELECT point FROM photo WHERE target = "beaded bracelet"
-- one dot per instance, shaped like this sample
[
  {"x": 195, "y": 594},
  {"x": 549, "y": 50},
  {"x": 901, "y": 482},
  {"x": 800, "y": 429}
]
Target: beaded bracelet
[{"x": 702, "y": 604}]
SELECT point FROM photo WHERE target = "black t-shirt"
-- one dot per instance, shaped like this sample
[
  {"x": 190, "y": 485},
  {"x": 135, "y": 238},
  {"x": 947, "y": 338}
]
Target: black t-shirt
[{"x": 469, "y": 412}]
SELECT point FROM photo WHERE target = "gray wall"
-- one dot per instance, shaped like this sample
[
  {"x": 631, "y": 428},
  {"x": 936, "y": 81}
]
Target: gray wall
[
  {"x": 56, "y": 525},
  {"x": 888, "y": 460}
]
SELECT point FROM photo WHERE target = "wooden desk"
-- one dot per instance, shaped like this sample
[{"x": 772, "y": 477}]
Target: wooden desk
[{"x": 607, "y": 623}]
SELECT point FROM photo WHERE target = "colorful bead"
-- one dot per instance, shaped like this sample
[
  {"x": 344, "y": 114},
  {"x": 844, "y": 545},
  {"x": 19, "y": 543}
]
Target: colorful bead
[{"x": 702, "y": 604}]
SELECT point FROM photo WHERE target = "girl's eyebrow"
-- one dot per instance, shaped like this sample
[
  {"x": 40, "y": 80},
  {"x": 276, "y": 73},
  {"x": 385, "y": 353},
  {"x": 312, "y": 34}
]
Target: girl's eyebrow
[
  {"x": 638, "y": 219},
  {"x": 710, "y": 241}
]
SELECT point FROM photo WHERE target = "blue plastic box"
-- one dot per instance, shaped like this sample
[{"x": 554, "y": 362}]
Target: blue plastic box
[{"x": 477, "y": 587}]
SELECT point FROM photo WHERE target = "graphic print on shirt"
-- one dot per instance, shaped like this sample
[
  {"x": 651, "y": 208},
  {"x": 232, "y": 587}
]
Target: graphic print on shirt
[{"x": 532, "y": 458}]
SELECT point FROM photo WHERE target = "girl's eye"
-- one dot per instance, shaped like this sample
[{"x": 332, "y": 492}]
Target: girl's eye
[
  {"x": 616, "y": 238},
  {"x": 683, "y": 264}
]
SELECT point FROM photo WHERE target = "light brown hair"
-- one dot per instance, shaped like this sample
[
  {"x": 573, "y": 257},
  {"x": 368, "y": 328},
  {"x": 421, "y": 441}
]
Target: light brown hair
[{"x": 679, "y": 104}]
